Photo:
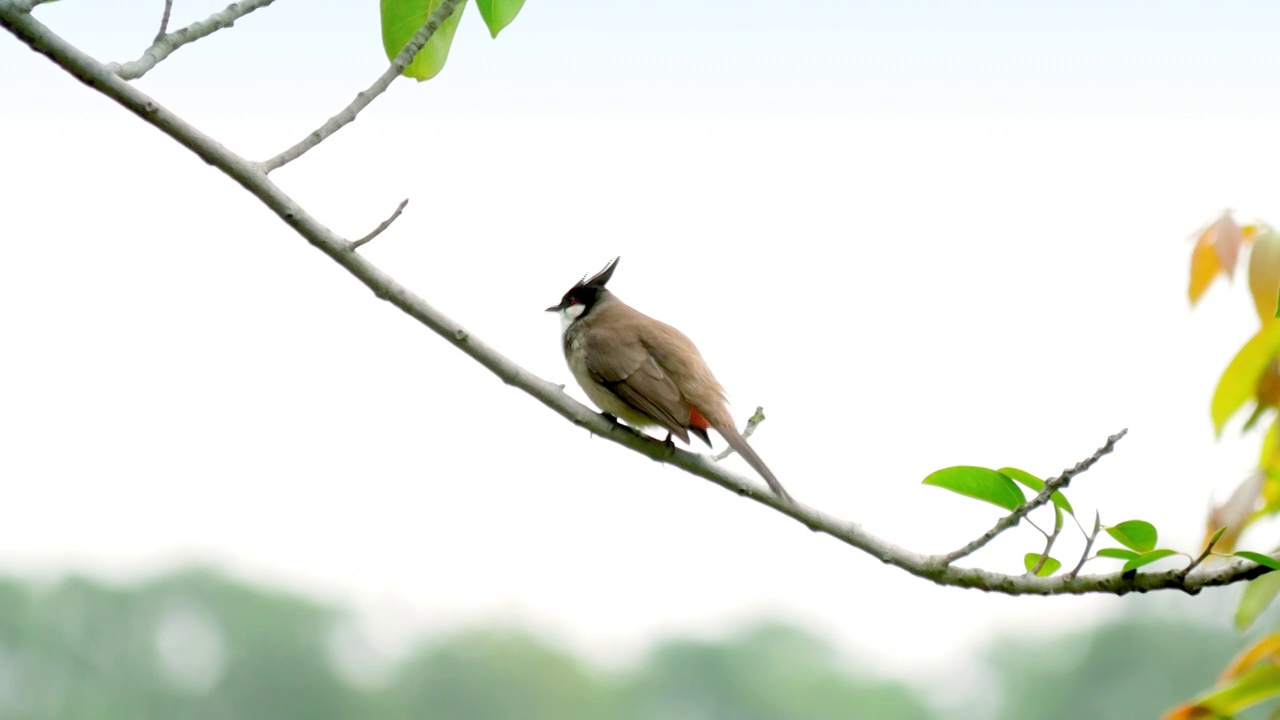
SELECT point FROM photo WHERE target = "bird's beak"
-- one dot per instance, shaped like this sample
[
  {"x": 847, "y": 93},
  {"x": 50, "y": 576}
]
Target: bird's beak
[{"x": 553, "y": 308}]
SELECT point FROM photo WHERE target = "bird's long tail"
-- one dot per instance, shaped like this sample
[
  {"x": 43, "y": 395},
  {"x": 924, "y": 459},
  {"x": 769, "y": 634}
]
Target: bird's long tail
[{"x": 739, "y": 443}]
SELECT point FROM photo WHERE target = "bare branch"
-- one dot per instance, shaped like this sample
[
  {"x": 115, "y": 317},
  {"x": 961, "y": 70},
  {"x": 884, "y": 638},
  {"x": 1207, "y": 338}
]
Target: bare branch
[
  {"x": 250, "y": 175},
  {"x": 1049, "y": 539},
  {"x": 381, "y": 226},
  {"x": 752, "y": 423},
  {"x": 1050, "y": 487},
  {"x": 362, "y": 99},
  {"x": 164, "y": 21},
  {"x": 1038, "y": 529},
  {"x": 164, "y": 45},
  {"x": 1088, "y": 545}
]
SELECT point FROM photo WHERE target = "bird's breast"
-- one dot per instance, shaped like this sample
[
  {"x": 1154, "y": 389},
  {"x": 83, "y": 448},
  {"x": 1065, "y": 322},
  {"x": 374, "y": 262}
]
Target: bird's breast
[{"x": 575, "y": 353}]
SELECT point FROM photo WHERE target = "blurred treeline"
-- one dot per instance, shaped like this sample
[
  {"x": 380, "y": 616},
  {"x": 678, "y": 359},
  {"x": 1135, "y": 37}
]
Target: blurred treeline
[{"x": 196, "y": 645}]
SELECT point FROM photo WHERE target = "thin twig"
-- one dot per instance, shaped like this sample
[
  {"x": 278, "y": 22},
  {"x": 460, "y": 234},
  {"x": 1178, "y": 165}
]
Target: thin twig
[
  {"x": 1049, "y": 539},
  {"x": 1208, "y": 550},
  {"x": 164, "y": 21},
  {"x": 164, "y": 45},
  {"x": 250, "y": 176},
  {"x": 1076, "y": 520},
  {"x": 1088, "y": 545},
  {"x": 752, "y": 423},
  {"x": 1046, "y": 494},
  {"x": 362, "y": 99},
  {"x": 381, "y": 226}
]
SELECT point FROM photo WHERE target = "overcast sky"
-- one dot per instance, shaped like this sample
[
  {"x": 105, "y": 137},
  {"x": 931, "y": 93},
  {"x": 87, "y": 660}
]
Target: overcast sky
[{"x": 919, "y": 234}]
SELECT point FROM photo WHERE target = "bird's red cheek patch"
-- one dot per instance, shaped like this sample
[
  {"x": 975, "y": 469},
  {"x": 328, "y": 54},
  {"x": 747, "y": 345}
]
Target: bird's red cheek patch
[{"x": 696, "y": 419}]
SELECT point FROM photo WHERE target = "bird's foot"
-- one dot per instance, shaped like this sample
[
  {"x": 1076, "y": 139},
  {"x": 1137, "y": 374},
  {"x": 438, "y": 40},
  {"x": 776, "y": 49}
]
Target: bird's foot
[
  {"x": 670, "y": 446},
  {"x": 616, "y": 423}
]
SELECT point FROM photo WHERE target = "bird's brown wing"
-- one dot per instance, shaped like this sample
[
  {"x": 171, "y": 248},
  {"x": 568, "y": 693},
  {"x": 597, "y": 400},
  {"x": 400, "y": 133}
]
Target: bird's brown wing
[{"x": 630, "y": 372}]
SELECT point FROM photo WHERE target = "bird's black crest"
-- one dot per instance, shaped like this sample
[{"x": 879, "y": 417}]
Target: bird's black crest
[
  {"x": 602, "y": 277},
  {"x": 587, "y": 290}
]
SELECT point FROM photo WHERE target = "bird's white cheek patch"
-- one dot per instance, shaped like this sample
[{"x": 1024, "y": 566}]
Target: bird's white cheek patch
[{"x": 569, "y": 314}]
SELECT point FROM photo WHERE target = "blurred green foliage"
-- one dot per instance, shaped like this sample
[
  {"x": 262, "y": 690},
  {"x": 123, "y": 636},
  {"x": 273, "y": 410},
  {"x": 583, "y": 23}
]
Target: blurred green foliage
[
  {"x": 1135, "y": 668},
  {"x": 195, "y": 645}
]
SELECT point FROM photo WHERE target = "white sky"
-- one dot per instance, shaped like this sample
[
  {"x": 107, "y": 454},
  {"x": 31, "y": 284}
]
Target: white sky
[{"x": 920, "y": 235}]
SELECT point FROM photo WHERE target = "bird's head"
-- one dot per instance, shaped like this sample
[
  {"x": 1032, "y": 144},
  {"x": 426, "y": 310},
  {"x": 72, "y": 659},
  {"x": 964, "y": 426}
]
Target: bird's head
[{"x": 584, "y": 296}]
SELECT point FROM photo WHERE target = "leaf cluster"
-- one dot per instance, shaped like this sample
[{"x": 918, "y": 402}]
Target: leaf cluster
[{"x": 402, "y": 18}]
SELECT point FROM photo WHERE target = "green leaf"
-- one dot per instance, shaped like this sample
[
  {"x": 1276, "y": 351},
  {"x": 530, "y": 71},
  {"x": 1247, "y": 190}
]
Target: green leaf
[
  {"x": 1239, "y": 382},
  {"x": 1256, "y": 598},
  {"x": 498, "y": 14},
  {"x": 1259, "y": 558},
  {"x": 1137, "y": 535},
  {"x": 1035, "y": 483},
  {"x": 980, "y": 483},
  {"x": 1213, "y": 540},
  {"x": 1262, "y": 682},
  {"x": 401, "y": 19},
  {"x": 1050, "y": 566},
  {"x": 1117, "y": 553},
  {"x": 1147, "y": 557}
]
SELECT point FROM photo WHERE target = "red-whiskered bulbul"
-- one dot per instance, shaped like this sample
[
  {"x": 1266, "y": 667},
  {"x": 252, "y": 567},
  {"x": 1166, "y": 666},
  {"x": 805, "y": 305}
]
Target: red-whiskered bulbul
[{"x": 645, "y": 372}]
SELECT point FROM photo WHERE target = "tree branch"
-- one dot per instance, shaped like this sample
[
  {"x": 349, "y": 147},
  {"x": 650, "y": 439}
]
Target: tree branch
[
  {"x": 1050, "y": 487},
  {"x": 356, "y": 244},
  {"x": 1049, "y": 539},
  {"x": 362, "y": 99},
  {"x": 753, "y": 422},
  {"x": 253, "y": 178},
  {"x": 164, "y": 45},
  {"x": 1088, "y": 545},
  {"x": 1204, "y": 554},
  {"x": 164, "y": 21}
]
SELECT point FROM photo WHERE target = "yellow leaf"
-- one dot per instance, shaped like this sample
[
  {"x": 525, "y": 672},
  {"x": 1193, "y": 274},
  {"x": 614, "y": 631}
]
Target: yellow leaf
[
  {"x": 1204, "y": 266},
  {"x": 1264, "y": 274},
  {"x": 1268, "y": 647},
  {"x": 1190, "y": 712},
  {"x": 1216, "y": 251},
  {"x": 1258, "y": 684},
  {"x": 1252, "y": 677},
  {"x": 1239, "y": 382}
]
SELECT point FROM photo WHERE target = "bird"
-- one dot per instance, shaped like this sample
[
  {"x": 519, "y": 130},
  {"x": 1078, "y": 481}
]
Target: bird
[{"x": 644, "y": 371}]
